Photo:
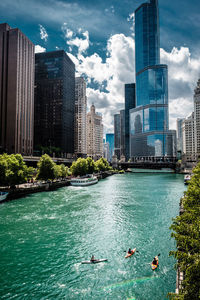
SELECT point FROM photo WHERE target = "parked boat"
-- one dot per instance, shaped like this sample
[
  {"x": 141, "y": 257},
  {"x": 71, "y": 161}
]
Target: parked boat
[
  {"x": 187, "y": 178},
  {"x": 3, "y": 196},
  {"x": 84, "y": 181}
]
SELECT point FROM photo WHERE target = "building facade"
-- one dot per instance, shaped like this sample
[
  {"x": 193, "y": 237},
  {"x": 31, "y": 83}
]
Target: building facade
[
  {"x": 110, "y": 142},
  {"x": 117, "y": 135},
  {"x": 197, "y": 118},
  {"x": 179, "y": 124},
  {"x": 188, "y": 133},
  {"x": 80, "y": 145},
  {"x": 130, "y": 102},
  {"x": 122, "y": 132},
  {"x": 54, "y": 101},
  {"x": 16, "y": 91},
  {"x": 94, "y": 134},
  {"x": 149, "y": 121}
]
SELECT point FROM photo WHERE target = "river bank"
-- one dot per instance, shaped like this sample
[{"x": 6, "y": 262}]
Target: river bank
[{"x": 25, "y": 189}]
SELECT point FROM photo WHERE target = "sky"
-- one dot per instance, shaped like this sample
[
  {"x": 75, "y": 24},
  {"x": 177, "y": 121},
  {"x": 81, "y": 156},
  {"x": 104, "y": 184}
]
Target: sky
[{"x": 98, "y": 35}]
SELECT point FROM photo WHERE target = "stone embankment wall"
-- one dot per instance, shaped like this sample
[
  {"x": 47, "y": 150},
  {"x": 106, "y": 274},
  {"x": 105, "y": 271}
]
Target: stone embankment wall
[{"x": 23, "y": 190}]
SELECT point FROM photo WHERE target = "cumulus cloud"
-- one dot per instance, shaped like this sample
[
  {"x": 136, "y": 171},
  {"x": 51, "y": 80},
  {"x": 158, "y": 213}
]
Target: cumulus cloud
[
  {"x": 43, "y": 33},
  {"x": 81, "y": 43},
  {"x": 39, "y": 49},
  {"x": 131, "y": 18},
  {"x": 183, "y": 73},
  {"x": 110, "y": 75}
]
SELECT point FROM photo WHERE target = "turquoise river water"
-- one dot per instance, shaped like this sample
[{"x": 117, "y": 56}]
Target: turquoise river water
[{"x": 45, "y": 236}]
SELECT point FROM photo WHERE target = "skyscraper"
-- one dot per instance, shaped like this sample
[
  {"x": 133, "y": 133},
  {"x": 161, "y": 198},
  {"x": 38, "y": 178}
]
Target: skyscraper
[
  {"x": 16, "y": 91},
  {"x": 149, "y": 120},
  {"x": 54, "y": 101},
  {"x": 110, "y": 141},
  {"x": 179, "y": 123},
  {"x": 117, "y": 135},
  {"x": 80, "y": 116},
  {"x": 129, "y": 104},
  {"x": 94, "y": 134},
  {"x": 197, "y": 118},
  {"x": 188, "y": 132},
  {"x": 122, "y": 132}
]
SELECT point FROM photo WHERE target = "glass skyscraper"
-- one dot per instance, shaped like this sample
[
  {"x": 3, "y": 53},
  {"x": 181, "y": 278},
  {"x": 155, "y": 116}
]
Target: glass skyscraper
[
  {"x": 129, "y": 104},
  {"x": 149, "y": 125},
  {"x": 54, "y": 101},
  {"x": 110, "y": 141}
]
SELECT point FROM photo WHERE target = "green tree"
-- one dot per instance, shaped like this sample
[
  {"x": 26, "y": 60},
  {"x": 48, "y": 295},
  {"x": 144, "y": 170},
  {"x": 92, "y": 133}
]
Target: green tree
[
  {"x": 47, "y": 169},
  {"x": 91, "y": 167},
  {"x": 102, "y": 164},
  {"x": 3, "y": 168},
  {"x": 186, "y": 231},
  {"x": 30, "y": 171},
  {"x": 13, "y": 169},
  {"x": 79, "y": 167}
]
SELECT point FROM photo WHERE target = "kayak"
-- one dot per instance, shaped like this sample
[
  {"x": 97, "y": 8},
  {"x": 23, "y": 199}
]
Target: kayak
[
  {"x": 94, "y": 261},
  {"x": 154, "y": 266},
  {"x": 130, "y": 254}
]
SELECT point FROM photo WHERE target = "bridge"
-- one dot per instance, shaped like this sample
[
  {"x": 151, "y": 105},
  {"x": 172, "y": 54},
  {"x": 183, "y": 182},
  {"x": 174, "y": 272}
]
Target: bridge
[
  {"x": 33, "y": 160},
  {"x": 147, "y": 165},
  {"x": 157, "y": 163}
]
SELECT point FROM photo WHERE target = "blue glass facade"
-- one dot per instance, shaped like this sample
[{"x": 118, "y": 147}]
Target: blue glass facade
[
  {"x": 110, "y": 141},
  {"x": 130, "y": 102},
  {"x": 147, "y": 36},
  {"x": 149, "y": 121},
  {"x": 117, "y": 135},
  {"x": 152, "y": 85},
  {"x": 122, "y": 132}
]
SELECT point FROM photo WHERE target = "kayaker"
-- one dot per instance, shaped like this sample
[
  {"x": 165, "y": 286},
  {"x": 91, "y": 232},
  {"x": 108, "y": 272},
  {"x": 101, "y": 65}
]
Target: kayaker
[
  {"x": 92, "y": 258},
  {"x": 129, "y": 251},
  {"x": 155, "y": 260}
]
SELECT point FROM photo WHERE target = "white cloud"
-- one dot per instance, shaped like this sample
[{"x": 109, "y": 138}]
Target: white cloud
[
  {"x": 43, "y": 33},
  {"x": 183, "y": 72},
  {"x": 72, "y": 40},
  {"x": 110, "y": 75},
  {"x": 39, "y": 49},
  {"x": 131, "y": 18},
  {"x": 81, "y": 44}
]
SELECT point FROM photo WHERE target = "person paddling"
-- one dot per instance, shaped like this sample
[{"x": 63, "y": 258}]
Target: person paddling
[
  {"x": 155, "y": 261},
  {"x": 92, "y": 259}
]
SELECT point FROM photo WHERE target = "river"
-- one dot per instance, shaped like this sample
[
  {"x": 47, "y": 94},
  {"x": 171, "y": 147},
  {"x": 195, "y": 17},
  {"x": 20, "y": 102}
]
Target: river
[{"x": 45, "y": 236}]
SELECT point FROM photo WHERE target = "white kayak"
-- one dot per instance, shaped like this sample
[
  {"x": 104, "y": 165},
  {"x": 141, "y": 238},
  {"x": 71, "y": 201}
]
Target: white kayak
[{"x": 93, "y": 261}]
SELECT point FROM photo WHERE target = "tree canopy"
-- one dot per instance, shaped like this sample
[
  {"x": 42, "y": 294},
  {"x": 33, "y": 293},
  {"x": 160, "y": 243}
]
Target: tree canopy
[
  {"x": 13, "y": 169},
  {"x": 186, "y": 231},
  {"x": 84, "y": 166}
]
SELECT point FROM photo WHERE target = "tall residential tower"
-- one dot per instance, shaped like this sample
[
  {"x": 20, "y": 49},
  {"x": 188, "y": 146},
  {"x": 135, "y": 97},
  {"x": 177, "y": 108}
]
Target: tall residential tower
[
  {"x": 149, "y": 131},
  {"x": 94, "y": 134},
  {"x": 16, "y": 91},
  {"x": 80, "y": 145}
]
